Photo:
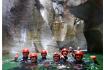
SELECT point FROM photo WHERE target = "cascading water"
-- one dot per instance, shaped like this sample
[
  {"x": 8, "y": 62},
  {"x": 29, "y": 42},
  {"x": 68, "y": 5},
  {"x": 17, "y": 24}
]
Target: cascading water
[
  {"x": 46, "y": 34},
  {"x": 44, "y": 14},
  {"x": 23, "y": 36},
  {"x": 63, "y": 32},
  {"x": 19, "y": 41},
  {"x": 18, "y": 19}
]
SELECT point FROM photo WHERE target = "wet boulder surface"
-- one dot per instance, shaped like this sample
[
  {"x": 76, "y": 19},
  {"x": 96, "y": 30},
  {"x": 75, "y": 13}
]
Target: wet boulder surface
[{"x": 91, "y": 13}]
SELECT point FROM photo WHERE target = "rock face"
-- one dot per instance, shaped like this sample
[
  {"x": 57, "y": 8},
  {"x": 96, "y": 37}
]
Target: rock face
[
  {"x": 34, "y": 24},
  {"x": 18, "y": 24},
  {"x": 94, "y": 27},
  {"x": 26, "y": 25},
  {"x": 91, "y": 12},
  {"x": 70, "y": 30}
]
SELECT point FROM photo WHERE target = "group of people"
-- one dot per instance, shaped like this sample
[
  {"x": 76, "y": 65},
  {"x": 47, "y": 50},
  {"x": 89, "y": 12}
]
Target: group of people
[{"x": 66, "y": 57}]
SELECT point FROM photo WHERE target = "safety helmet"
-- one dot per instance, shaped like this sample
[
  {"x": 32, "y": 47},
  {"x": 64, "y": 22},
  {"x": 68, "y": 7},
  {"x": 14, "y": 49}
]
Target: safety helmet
[
  {"x": 16, "y": 56},
  {"x": 56, "y": 54},
  {"x": 64, "y": 50},
  {"x": 79, "y": 53},
  {"x": 93, "y": 57},
  {"x": 33, "y": 55},
  {"x": 44, "y": 52},
  {"x": 25, "y": 50},
  {"x": 62, "y": 57}
]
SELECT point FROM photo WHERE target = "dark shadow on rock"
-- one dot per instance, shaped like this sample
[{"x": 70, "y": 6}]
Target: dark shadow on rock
[
  {"x": 94, "y": 41},
  {"x": 92, "y": 13}
]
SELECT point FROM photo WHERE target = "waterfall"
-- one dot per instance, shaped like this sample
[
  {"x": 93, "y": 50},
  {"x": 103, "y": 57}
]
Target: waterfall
[
  {"x": 46, "y": 34},
  {"x": 44, "y": 14},
  {"x": 63, "y": 32},
  {"x": 23, "y": 37}
]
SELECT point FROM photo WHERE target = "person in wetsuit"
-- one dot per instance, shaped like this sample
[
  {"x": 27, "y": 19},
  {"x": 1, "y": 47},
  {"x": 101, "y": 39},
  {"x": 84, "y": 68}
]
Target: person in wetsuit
[
  {"x": 33, "y": 58},
  {"x": 25, "y": 53},
  {"x": 94, "y": 60},
  {"x": 43, "y": 56},
  {"x": 79, "y": 63},
  {"x": 64, "y": 57},
  {"x": 33, "y": 63},
  {"x": 56, "y": 58},
  {"x": 71, "y": 54},
  {"x": 24, "y": 58}
]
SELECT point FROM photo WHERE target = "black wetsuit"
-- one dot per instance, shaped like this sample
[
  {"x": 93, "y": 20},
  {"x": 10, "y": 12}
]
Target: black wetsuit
[
  {"x": 64, "y": 60},
  {"x": 42, "y": 60},
  {"x": 24, "y": 59},
  {"x": 79, "y": 65}
]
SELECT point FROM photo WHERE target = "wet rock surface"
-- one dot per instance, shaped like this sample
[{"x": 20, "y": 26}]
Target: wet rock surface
[{"x": 26, "y": 25}]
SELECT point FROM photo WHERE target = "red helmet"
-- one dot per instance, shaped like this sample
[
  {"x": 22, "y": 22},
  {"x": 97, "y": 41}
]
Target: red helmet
[
  {"x": 33, "y": 55},
  {"x": 25, "y": 50},
  {"x": 79, "y": 53},
  {"x": 16, "y": 56},
  {"x": 56, "y": 54},
  {"x": 64, "y": 50},
  {"x": 44, "y": 52},
  {"x": 93, "y": 57},
  {"x": 62, "y": 57}
]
